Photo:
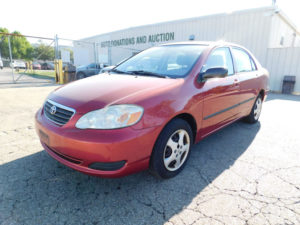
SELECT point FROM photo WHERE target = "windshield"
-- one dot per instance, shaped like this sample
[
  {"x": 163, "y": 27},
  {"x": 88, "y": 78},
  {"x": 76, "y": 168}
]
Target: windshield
[{"x": 171, "y": 60}]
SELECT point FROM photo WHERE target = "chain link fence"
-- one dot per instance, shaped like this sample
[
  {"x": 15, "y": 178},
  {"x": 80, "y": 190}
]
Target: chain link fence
[
  {"x": 25, "y": 58},
  {"x": 34, "y": 59}
]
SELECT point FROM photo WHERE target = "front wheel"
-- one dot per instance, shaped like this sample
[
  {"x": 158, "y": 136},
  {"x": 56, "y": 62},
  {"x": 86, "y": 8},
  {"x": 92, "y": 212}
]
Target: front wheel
[
  {"x": 256, "y": 110},
  {"x": 171, "y": 150},
  {"x": 80, "y": 76}
]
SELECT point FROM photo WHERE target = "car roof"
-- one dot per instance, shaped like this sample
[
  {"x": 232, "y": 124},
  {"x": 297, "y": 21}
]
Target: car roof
[{"x": 206, "y": 43}]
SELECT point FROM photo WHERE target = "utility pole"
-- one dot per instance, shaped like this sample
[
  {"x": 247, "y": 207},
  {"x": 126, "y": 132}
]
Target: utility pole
[{"x": 56, "y": 47}]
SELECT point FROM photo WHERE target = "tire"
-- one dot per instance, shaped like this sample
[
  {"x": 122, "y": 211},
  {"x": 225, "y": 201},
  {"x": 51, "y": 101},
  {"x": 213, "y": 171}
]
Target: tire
[
  {"x": 80, "y": 76},
  {"x": 170, "y": 152},
  {"x": 255, "y": 111}
]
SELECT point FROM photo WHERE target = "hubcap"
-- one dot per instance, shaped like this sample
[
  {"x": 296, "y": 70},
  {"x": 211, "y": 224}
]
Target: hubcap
[
  {"x": 176, "y": 150},
  {"x": 257, "y": 109}
]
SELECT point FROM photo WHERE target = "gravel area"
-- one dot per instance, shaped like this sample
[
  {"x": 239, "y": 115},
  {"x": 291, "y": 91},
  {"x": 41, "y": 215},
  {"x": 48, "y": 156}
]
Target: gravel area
[{"x": 243, "y": 174}]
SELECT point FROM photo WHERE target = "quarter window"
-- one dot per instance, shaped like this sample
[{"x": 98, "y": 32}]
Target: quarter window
[
  {"x": 220, "y": 57},
  {"x": 243, "y": 61}
]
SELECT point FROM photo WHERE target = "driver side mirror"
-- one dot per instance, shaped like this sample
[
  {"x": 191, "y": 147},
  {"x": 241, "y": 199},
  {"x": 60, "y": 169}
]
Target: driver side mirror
[{"x": 212, "y": 73}]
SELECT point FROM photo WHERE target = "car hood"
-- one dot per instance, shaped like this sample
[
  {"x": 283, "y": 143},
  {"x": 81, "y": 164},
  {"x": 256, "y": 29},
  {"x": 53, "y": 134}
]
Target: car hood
[{"x": 101, "y": 90}]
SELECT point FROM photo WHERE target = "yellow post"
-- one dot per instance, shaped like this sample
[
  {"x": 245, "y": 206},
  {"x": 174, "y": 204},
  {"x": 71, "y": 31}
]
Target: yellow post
[
  {"x": 59, "y": 75},
  {"x": 56, "y": 70}
]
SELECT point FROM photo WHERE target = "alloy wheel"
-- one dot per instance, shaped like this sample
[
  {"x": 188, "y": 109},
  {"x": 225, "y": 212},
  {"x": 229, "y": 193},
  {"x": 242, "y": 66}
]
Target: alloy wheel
[
  {"x": 176, "y": 150},
  {"x": 257, "y": 109}
]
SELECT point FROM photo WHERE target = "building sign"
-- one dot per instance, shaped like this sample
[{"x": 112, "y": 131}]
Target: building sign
[{"x": 152, "y": 38}]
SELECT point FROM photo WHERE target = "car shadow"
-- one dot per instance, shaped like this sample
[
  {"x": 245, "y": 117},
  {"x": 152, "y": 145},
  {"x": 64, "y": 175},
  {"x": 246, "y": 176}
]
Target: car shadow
[{"x": 38, "y": 190}]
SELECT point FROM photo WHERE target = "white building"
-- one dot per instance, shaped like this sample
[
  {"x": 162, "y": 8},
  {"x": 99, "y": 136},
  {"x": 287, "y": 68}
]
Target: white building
[{"x": 266, "y": 32}]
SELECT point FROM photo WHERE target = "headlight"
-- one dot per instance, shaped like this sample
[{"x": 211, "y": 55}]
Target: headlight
[{"x": 111, "y": 117}]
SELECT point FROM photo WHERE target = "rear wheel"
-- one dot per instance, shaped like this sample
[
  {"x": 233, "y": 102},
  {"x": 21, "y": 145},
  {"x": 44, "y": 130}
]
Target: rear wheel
[
  {"x": 256, "y": 110},
  {"x": 171, "y": 150},
  {"x": 80, "y": 76}
]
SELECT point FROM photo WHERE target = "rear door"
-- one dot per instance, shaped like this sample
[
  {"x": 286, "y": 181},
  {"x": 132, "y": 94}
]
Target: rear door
[
  {"x": 221, "y": 95},
  {"x": 247, "y": 73}
]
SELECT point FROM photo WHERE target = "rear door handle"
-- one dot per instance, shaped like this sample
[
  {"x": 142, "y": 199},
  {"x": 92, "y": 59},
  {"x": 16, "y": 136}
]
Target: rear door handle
[{"x": 235, "y": 82}]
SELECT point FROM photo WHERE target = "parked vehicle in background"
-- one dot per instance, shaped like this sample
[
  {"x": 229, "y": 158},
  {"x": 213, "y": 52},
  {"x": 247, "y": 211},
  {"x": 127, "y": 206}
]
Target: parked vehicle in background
[
  {"x": 149, "y": 110},
  {"x": 107, "y": 69},
  {"x": 87, "y": 70},
  {"x": 36, "y": 66},
  {"x": 47, "y": 66},
  {"x": 18, "y": 64},
  {"x": 1, "y": 64},
  {"x": 67, "y": 65}
]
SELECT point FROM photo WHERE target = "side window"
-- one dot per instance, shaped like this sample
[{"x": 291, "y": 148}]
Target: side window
[
  {"x": 243, "y": 61},
  {"x": 92, "y": 66},
  {"x": 220, "y": 57}
]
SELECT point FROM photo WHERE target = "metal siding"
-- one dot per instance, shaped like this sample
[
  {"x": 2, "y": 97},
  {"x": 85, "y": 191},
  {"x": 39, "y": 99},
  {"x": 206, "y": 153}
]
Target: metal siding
[
  {"x": 281, "y": 62},
  {"x": 229, "y": 27},
  {"x": 280, "y": 28}
]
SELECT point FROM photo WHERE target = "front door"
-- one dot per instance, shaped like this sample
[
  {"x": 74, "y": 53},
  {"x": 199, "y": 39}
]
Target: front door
[{"x": 221, "y": 95}]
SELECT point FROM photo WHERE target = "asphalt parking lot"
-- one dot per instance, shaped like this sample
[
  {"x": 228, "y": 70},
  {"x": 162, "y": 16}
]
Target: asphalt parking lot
[
  {"x": 6, "y": 80},
  {"x": 244, "y": 174}
]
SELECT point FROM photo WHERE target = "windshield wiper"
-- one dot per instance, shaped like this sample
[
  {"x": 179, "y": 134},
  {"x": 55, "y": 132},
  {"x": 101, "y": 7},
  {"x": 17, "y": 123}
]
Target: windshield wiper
[
  {"x": 143, "y": 72},
  {"x": 119, "y": 71}
]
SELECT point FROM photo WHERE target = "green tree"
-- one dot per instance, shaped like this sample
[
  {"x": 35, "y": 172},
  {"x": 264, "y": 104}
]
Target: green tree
[
  {"x": 43, "y": 52},
  {"x": 4, "y": 43},
  {"x": 20, "y": 46}
]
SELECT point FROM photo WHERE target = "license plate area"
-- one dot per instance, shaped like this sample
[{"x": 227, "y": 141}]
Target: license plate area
[{"x": 44, "y": 137}]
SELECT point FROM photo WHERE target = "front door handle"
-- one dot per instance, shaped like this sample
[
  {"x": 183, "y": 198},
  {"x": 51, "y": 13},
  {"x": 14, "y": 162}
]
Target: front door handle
[{"x": 236, "y": 82}]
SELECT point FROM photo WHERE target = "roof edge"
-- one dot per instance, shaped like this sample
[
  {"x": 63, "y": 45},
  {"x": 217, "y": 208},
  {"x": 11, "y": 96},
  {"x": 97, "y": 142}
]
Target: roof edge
[
  {"x": 287, "y": 20},
  {"x": 265, "y": 8}
]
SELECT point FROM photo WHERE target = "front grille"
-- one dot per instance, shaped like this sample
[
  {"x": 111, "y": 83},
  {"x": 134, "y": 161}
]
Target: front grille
[{"x": 58, "y": 113}]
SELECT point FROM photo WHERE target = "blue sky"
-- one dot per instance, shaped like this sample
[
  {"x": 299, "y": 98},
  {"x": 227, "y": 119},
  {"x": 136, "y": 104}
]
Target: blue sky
[{"x": 79, "y": 19}]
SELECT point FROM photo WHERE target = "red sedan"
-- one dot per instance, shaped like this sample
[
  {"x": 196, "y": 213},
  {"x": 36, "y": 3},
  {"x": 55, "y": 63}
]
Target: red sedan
[
  {"x": 149, "y": 110},
  {"x": 36, "y": 66}
]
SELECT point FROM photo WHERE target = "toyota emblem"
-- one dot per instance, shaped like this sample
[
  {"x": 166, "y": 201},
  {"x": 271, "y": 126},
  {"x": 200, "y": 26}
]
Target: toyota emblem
[{"x": 53, "y": 109}]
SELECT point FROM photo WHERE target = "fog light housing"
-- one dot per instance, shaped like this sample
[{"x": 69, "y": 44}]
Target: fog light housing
[{"x": 107, "y": 166}]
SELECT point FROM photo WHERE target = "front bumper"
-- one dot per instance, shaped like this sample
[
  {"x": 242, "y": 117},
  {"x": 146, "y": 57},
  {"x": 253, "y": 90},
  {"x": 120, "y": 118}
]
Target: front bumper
[{"x": 80, "y": 149}]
